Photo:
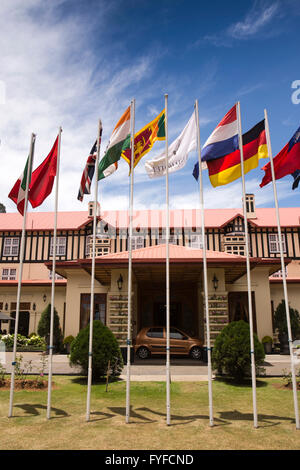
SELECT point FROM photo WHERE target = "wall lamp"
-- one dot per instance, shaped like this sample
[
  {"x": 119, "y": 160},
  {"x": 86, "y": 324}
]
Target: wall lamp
[
  {"x": 215, "y": 282},
  {"x": 44, "y": 297},
  {"x": 120, "y": 282}
]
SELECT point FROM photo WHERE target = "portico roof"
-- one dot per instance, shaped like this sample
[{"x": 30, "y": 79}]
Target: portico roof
[{"x": 186, "y": 263}]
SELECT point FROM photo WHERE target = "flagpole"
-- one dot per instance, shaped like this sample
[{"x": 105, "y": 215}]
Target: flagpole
[
  {"x": 132, "y": 115},
  {"x": 22, "y": 250},
  {"x": 287, "y": 310},
  {"x": 210, "y": 395},
  {"x": 168, "y": 373},
  {"x": 253, "y": 372},
  {"x": 53, "y": 278},
  {"x": 88, "y": 402}
]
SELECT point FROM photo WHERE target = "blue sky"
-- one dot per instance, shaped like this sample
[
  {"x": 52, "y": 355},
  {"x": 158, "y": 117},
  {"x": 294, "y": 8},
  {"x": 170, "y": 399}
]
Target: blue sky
[{"x": 71, "y": 62}]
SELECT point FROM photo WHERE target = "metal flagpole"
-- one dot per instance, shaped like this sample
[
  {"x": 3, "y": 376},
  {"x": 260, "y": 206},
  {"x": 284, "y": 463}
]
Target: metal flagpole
[
  {"x": 53, "y": 278},
  {"x": 168, "y": 373},
  {"x": 210, "y": 396},
  {"x": 132, "y": 115},
  {"x": 22, "y": 250},
  {"x": 286, "y": 300},
  {"x": 88, "y": 402},
  {"x": 253, "y": 372}
]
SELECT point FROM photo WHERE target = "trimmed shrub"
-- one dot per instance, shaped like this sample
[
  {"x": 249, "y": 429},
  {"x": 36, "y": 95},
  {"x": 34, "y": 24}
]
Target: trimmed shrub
[
  {"x": 105, "y": 348},
  {"x": 231, "y": 352},
  {"x": 44, "y": 328},
  {"x": 280, "y": 320}
]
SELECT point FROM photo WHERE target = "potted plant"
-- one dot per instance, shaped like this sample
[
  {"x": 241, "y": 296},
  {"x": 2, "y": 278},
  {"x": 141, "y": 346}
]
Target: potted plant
[
  {"x": 67, "y": 342},
  {"x": 267, "y": 342}
]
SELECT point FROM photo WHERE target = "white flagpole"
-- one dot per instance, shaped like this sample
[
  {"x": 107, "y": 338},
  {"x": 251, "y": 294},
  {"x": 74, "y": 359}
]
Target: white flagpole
[
  {"x": 88, "y": 402},
  {"x": 22, "y": 250},
  {"x": 53, "y": 278},
  {"x": 132, "y": 115},
  {"x": 253, "y": 372},
  {"x": 286, "y": 300},
  {"x": 210, "y": 395},
  {"x": 168, "y": 372}
]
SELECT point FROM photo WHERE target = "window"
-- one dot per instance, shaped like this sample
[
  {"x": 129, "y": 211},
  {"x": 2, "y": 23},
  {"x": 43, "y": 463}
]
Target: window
[
  {"x": 162, "y": 240},
  {"x": 102, "y": 246},
  {"x": 196, "y": 242},
  {"x": 137, "y": 242},
  {"x": 61, "y": 243},
  {"x": 279, "y": 273},
  {"x": 274, "y": 243},
  {"x": 11, "y": 246},
  {"x": 155, "y": 333},
  {"x": 9, "y": 274},
  {"x": 175, "y": 334},
  {"x": 57, "y": 276}
]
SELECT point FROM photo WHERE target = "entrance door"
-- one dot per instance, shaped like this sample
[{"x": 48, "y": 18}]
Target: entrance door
[
  {"x": 159, "y": 314},
  {"x": 23, "y": 327},
  {"x": 238, "y": 307},
  {"x": 99, "y": 309}
]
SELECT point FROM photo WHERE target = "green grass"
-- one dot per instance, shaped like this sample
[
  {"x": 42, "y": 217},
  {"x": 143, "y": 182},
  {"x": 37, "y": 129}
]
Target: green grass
[{"x": 67, "y": 429}]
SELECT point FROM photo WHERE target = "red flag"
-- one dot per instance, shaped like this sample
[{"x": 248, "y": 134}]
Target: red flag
[
  {"x": 42, "y": 178},
  {"x": 286, "y": 162}
]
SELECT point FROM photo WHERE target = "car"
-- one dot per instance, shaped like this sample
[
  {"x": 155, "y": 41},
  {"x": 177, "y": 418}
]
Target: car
[{"x": 152, "y": 340}]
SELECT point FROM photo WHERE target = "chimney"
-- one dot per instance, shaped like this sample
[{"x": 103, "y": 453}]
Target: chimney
[
  {"x": 91, "y": 209},
  {"x": 250, "y": 206}
]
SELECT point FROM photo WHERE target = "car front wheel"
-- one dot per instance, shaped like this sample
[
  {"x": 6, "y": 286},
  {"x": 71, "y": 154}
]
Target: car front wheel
[
  {"x": 196, "y": 353},
  {"x": 143, "y": 352}
]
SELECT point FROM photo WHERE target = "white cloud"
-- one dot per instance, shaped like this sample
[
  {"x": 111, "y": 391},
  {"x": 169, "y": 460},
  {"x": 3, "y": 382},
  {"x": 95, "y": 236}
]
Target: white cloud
[{"x": 260, "y": 15}]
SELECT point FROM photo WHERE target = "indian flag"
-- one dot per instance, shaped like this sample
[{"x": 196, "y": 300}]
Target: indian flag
[{"x": 109, "y": 162}]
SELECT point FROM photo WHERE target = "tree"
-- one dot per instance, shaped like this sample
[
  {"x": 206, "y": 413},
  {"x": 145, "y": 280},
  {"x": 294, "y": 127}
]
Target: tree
[
  {"x": 231, "y": 352},
  {"x": 44, "y": 328},
  {"x": 2, "y": 208},
  {"x": 105, "y": 349},
  {"x": 281, "y": 324}
]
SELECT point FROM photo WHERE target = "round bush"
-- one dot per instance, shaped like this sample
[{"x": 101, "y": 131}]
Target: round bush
[
  {"x": 231, "y": 352},
  {"x": 105, "y": 349}
]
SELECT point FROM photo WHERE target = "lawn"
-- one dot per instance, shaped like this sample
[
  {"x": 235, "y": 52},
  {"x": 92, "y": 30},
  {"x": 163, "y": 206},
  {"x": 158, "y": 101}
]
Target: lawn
[{"x": 67, "y": 429}]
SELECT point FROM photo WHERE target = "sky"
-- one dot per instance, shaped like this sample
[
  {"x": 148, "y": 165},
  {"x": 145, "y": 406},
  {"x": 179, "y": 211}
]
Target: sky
[{"x": 70, "y": 62}]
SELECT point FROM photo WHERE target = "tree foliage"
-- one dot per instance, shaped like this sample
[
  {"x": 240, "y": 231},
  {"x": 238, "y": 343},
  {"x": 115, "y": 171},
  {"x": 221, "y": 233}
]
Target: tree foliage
[
  {"x": 44, "y": 328},
  {"x": 105, "y": 349},
  {"x": 231, "y": 352},
  {"x": 2, "y": 208},
  {"x": 280, "y": 320}
]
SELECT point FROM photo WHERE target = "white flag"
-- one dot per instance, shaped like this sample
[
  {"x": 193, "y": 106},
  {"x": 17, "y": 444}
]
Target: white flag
[{"x": 177, "y": 153}]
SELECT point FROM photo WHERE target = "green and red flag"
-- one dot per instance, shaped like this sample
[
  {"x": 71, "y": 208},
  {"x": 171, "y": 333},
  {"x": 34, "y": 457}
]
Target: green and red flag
[{"x": 17, "y": 194}]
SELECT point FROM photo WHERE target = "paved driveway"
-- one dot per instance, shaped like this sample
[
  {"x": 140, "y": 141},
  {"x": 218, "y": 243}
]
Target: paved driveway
[{"x": 152, "y": 369}]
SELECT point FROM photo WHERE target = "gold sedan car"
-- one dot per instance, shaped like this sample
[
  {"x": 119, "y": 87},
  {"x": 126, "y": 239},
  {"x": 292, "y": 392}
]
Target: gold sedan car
[{"x": 152, "y": 340}]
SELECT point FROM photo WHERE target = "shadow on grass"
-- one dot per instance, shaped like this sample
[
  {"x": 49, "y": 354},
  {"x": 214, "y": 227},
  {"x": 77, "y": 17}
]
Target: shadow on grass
[
  {"x": 32, "y": 410},
  {"x": 133, "y": 414},
  {"x": 82, "y": 380},
  {"x": 246, "y": 383},
  {"x": 181, "y": 419},
  {"x": 262, "y": 418},
  {"x": 101, "y": 413}
]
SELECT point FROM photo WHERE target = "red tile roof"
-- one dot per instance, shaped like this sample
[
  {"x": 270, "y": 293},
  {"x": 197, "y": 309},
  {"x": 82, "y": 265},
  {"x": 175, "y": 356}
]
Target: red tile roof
[
  {"x": 214, "y": 218},
  {"x": 176, "y": 252}
]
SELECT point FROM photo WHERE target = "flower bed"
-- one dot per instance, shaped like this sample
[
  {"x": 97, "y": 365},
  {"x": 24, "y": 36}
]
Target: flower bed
[{"x": 32, "y": 344}]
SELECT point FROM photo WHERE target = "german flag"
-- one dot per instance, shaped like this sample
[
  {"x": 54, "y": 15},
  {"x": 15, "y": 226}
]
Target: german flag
[
  {"x": 144, "y": 139},
  {"x": 226, "y": 169}
]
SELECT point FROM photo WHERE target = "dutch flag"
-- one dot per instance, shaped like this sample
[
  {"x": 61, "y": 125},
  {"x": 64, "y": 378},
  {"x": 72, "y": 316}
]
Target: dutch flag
[{"x": 223, "y": 140}]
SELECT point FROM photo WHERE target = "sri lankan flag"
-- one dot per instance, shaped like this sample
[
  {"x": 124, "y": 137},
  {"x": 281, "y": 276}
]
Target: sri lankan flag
[
  {"x": 145, "y": 138},
  {"x": 226, "y": 169}
]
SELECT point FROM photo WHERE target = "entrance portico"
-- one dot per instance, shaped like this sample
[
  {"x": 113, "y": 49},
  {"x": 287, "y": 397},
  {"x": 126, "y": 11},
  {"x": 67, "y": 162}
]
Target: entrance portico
[{"x": 226, "y": 273}]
